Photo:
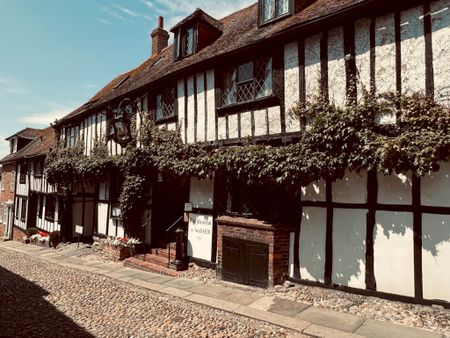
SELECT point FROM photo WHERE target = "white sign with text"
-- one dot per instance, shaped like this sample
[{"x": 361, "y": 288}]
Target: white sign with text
[{"x": 200, "y": 236}]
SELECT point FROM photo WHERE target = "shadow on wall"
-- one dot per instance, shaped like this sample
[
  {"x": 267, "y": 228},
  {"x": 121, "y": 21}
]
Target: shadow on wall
[
  {"x": 25, "y": 313},
  {"x": 435, "y": 232},
  {"x": 349, "y": 247}
]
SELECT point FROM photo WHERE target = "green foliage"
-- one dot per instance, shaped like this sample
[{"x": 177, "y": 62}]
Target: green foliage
[
  {"x": 334, "y": 139},
  {"x": 32, "y": 231}
]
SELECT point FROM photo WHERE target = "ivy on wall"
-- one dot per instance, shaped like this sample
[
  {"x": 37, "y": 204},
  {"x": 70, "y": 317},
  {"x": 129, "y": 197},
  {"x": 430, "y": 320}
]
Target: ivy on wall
[{"x": 334, "y": 139}]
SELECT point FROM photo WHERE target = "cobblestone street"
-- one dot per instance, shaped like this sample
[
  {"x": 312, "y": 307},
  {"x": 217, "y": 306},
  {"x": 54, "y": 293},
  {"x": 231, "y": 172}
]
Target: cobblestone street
[{"x": 42, "y": 299}]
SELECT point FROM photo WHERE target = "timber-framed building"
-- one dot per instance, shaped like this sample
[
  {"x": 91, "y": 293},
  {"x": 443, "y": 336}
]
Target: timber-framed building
[{"x": 224, "y": 80}]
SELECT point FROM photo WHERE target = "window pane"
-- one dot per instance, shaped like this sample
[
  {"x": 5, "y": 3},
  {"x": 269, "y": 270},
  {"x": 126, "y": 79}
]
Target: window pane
[
  {"x": 283, "y": 7},
  {"x": 159, "y": 108},
  {"x": 165, "y": 104},
  {"x": 263, "y": 77},
  {"x": 229, "y": 87},
  {"x": 245, "y": 72},
  {"x": 268, "y": 9},
  {"x": 189, "y": 41}
]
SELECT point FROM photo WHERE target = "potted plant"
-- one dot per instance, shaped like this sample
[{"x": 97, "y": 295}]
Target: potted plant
[{"x": 55, "y": 238}]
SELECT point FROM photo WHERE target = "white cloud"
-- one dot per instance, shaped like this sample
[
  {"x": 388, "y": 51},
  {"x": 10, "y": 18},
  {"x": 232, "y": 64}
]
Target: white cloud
[
  {"x": 127, "y": 10},
  {"x": 112, "y": 13},
  {"x": 103, "y": 21},
  {"x": 90, "y": 86},
  {"x": 44, "y": 119},
  {"x": 11, "y": 86},
  {"x": 4, "y": 146}
]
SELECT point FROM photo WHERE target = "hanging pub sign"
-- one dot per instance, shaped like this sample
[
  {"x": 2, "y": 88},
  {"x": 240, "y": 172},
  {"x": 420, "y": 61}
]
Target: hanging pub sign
[{"x": 120, "y": 121}]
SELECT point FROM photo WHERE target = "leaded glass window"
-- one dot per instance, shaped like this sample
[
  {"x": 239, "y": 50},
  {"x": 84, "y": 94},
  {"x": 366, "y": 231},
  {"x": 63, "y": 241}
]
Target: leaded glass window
[
  {"x": 272, "y": 9},
  {"x": 247, "y": 82},
  {"x": 188, "y": 42},
  {"x": 165, "y": 104}
]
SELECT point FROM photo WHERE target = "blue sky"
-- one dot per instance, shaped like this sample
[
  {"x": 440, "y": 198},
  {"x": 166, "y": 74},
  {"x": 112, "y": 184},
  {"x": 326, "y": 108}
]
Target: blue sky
[{"x": 56, "y": 54}]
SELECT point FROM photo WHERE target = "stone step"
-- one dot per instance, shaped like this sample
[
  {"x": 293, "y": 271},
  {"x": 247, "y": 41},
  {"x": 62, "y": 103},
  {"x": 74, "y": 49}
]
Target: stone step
[
  {"x": 156, "y": 259},
  {"x": 136, "y": 263}
]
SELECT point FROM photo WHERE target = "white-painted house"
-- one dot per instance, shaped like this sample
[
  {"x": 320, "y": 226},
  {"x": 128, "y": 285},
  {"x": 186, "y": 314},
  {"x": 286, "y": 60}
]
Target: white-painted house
[{"x": 237, "y": 77}]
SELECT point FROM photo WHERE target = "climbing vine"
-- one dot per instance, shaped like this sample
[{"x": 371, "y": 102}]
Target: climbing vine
[{"x": 333, "y": 139}]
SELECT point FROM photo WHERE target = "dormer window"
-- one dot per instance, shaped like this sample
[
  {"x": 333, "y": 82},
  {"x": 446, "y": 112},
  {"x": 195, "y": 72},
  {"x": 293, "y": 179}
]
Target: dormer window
[
  {"x": 274, "y": 9},
  {"x": 195, "y": 32},
  {"x": 187, "y": 44}
]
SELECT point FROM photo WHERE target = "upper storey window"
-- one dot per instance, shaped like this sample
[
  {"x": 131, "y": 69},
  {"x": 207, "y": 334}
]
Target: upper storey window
[
  {"x": 165, "y": 107},
  {"x": 247, "y": 82},
  {"x": 273, "y": 9}
]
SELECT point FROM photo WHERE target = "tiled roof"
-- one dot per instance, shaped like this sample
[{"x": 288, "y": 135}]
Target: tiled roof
[
  {"x": 198, "y": 13},
  {"x": 240, "y": 30},
  {"x": 27, "y": 133},
  {"x": 41, "y": 145}
]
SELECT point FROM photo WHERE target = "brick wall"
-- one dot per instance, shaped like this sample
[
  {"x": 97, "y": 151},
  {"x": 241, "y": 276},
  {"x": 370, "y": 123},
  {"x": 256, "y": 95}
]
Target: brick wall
[
  {"x": 18, "y": 234},
  {"x": 276, "y": 237}
]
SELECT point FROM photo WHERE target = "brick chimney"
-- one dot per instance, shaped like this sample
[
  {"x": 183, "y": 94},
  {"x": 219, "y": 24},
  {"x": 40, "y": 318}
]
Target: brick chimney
[{"x": 160, "y": 37}]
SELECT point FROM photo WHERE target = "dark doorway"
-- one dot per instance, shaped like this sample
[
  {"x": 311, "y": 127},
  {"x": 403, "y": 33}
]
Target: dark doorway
[
  {"x": 169, "y": 197},
  {"x": 245, "y": 262}
]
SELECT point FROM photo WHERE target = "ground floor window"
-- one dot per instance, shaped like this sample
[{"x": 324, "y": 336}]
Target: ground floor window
[
  {"x": 50, "y": 202},
  {"x": 23, "y": 210}
]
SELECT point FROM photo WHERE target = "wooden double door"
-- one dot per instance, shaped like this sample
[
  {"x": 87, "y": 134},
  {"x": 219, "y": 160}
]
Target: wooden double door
[{"x": 245, "y": 262}]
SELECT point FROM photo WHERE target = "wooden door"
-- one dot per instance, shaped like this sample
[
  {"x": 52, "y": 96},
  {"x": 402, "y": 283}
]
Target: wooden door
[{"x": 245, "y": 262}]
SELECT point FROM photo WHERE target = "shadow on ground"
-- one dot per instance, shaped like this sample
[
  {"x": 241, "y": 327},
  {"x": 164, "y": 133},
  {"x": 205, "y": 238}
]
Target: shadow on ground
[{"x": 25, "y": 313}]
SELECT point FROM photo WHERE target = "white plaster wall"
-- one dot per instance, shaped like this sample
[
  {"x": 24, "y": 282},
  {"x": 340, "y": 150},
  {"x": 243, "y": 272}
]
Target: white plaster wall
[
  {"x": 394, "y": 253},
  {"x": 385, "y": 53},
  {"x": 233, "y": 126},
  {"x": 246, "y": 124},
  {"x": 435, "y": 187},
  {"x": 172, "y": 126},
  {"x": 190, "y": 108},
  {"x": 312, "y": 65},
  {"x": 211, "y": 106},
  {"x": 440, "y": 27},
  {"x": 336, "y": 66},
  {"x": 312, "y": 244},
  {"x": 202, "y": 193},
  {"x": 291, "y": 84},
  {"x": 436, "y": 256},
  {"x": 222, "y": 128},
  {"x": 260, "y": 122},
  {"x": 181, "y": 108},
  {"x": 394, "y": 189},
  {"x": 274, "y": 115},
  {"x": 413, "y": 50},
  {"x": 120, "y": 231},
  {"x": 349, "y": 247},
  {"x": 291, "y": 254},
  {"x": 102, "y": 217},
  {"x": 352, "y": 188},
  {"x": 315, "y": 191},
  {"x": 201, "y": 108},
  {"x": 362, "y": 55}
]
